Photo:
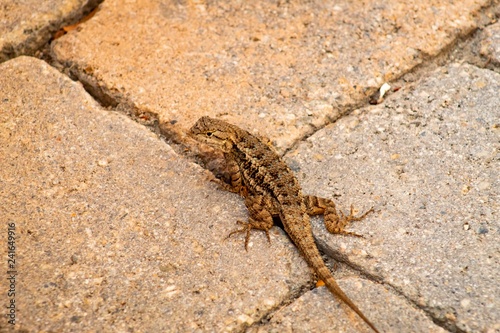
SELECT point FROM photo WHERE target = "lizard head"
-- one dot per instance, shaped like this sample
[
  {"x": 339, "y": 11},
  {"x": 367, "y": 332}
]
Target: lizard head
[{"x": 214, "y": 132}]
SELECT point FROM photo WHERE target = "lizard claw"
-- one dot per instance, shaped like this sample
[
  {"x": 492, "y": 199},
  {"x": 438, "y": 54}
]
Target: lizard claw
[
  {"x": 247, "y": 227},
  {"x": 351, "y": 216},
  {"x": 345, "y": 219}
]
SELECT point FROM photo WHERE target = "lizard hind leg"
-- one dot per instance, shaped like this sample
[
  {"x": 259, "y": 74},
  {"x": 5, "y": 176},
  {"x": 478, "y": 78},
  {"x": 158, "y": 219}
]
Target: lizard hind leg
[
  {"x": 335, "y": 222},
  {"x": 260, "y": 208},
  {"x": 344, "y": 220}
]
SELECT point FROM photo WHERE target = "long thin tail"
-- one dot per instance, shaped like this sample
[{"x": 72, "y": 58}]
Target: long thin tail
[
  {"x": 325, "y": 274},
  {"x": 298, "y": 227}
]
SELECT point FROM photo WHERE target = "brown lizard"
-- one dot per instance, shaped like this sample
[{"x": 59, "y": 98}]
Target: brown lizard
[{"x": 270, "y": 189}]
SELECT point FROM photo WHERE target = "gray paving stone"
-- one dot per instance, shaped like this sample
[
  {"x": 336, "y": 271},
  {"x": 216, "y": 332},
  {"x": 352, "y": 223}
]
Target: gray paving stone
[
  {"x": 428, "y": 160},
  {"x": 116, "y": 232},
  {"x": 27, "y": 25},
  {"x": 316, "y": 311},
  {"x": 286, "y": 66}
]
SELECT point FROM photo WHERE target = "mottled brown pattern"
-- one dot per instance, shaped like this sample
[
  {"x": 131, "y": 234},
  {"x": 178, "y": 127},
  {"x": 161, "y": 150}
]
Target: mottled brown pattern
[{"x": 270, "y": 189}]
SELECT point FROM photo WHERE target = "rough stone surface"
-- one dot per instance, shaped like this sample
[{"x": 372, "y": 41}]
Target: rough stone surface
[
  {"x": 316, "y": 311},
  {"x": 490, "y": 45},
  {"x": 290, "y": 66},
  {"x": 115, "y": 231},
  {"x": 428, "y": 161},
  {"x": 26, "y": 25}
]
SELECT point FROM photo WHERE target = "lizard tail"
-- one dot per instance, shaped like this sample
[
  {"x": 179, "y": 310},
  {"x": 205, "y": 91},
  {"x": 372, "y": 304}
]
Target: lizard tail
[
  {"x": 298, "y": 228},
  {"x": 334, "y": 288}
]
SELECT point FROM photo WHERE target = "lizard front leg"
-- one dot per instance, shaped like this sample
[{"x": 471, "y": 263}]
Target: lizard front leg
[
  {"x": 229, "y": 178},
  {"x": 261, "y": 211},
  {"x": 334, "y": 222}
]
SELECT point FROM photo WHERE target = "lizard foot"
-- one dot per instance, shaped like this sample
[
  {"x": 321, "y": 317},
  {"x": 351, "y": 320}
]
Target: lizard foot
[
  {"x": 247, "y": 227},
  {"x": 346, "y": 219}
]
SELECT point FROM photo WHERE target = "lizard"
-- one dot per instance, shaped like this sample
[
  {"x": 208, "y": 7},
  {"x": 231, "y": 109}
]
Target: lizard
[{"x": 270, "y": 188}]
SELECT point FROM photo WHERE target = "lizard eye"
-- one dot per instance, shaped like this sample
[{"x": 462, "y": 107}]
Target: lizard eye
[{"x": 209, "y": 134}]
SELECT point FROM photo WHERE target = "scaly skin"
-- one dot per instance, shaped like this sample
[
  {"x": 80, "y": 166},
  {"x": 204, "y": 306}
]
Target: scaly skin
[{"x": 270, "y": 189}]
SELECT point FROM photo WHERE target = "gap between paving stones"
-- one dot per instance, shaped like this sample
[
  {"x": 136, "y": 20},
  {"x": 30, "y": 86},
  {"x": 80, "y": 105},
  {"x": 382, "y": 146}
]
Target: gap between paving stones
[
  {"x": 459, "y": 50},
  {"x": 117, "y": 101},
  {"x": 38, "y": 41},
  {"x": 331, "y": 255}
]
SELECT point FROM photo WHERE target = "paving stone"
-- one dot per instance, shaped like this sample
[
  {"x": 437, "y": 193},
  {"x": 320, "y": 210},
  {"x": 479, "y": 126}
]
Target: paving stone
[
  {"x": 279, "y": 68},
  {"x": 115, "y": 231},
  {"x": 27, "y": 25},
  {"x": 428, "y": 160},
  {"x": 490, "y": 44}
]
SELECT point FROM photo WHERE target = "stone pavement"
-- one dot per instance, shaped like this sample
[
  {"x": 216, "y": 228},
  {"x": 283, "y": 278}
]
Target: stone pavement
[{"x": 115, "y": 228}]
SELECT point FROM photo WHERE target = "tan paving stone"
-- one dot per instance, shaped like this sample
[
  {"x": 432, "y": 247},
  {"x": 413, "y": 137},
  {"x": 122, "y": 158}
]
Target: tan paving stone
[
  {"x": 278, "y": 68},
  {"x": 114, "y": 231},
  {"x": 27, "y": 25}
]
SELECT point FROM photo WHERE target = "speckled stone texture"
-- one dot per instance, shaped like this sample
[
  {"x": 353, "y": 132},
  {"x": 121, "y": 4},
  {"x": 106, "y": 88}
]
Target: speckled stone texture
[
  {"x": 490, "y": 44},
  {"x": 27, "y": 25},
  {"x": 115, "y": 231},
  {"x": 427, "y": 160},
  {"x": 289, "y": 66}
]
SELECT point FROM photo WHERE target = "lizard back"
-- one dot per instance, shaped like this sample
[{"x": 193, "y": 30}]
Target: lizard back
[{"x": 264, "y": 174}]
